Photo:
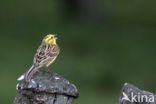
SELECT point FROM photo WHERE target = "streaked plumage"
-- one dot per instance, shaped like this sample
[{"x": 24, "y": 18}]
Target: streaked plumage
[{"x": 45, "y": 55}]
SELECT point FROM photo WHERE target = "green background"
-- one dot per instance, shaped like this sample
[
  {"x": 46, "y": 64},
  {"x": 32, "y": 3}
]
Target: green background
[{"x": 103, "y": 44}]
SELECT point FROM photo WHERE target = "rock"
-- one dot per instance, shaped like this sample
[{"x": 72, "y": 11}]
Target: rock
[
  {"x": 46, "y": 88},
  {"x": 132, "y": 95}
]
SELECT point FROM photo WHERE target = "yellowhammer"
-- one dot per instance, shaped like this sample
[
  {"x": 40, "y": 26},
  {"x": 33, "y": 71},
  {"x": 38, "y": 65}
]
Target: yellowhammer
[{"x": 45, "y": 55}]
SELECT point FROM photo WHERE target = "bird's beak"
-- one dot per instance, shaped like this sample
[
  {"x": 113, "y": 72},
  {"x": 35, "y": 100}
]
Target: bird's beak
[{"x": 55, "y": 36}]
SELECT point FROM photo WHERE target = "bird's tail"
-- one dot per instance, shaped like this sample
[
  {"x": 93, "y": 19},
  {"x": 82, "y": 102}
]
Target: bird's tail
[
  {"x": 30, "y": 73},
  {"x": 27, "y": 76}
]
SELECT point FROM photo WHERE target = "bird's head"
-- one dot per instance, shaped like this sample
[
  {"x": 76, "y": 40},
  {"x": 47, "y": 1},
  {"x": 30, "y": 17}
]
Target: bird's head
[{"x": 50, "y": 39}]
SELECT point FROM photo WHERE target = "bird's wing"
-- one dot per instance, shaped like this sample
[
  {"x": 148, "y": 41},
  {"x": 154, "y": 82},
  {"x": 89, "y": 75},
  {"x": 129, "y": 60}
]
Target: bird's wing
[{"x": 46, "y": 54}]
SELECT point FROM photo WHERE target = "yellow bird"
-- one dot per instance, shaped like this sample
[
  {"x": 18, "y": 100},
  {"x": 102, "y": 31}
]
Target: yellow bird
[{"x": 45, "y": 55}]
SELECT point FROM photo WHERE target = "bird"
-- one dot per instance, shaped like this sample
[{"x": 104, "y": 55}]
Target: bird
[{"x": 44, "y": 57}]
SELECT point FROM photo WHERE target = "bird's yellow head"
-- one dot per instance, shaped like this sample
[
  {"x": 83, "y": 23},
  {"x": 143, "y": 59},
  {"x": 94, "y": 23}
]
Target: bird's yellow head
[{"x": 50, "y": 39}]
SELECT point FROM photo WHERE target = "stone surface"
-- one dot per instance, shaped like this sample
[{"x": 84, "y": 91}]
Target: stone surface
[
  {"x": 132, "y": 95},
  {"x": 46, "y": 88}
]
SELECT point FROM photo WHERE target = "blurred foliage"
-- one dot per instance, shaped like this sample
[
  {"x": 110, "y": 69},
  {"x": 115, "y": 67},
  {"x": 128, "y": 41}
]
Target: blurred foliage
[{"x": 103, "y": 44}]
